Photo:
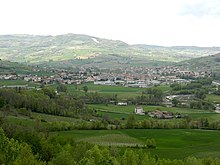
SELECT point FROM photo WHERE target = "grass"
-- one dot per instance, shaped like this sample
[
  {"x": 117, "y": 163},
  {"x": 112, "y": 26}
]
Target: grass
[
  {"x": 213, "y": 98},
  {"x": 114, "y": 108},
  {"x": 27, "y": 121},
  {"x": 106, "y": 88},
  {"x": 24, "y": 121},
  {"x": 122, "y": 116},
  {"x": 210, "y": 116},
  {"x": 115, "y": 111},
  {"x": 130, "y": 108},
  {"x": 121, "y": 91},
  {"x": 114, "y": 140},
  {"x": 171, "y": 143},
  {"x": 53, "y": 118},
  {"x": 111, "y": 89},
  {"x": 17, "y": 82}
]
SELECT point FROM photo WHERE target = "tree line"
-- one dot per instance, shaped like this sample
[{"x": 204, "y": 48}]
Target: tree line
[{"x": 43, "y": 101}]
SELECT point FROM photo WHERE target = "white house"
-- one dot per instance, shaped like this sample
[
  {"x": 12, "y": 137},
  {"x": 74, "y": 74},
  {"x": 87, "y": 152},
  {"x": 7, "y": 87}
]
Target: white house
[
  {"x": 139, "y": 110},
  {"x": 122, "y": 103}
]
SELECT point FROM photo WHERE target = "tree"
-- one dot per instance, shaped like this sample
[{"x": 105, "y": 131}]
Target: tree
[
  {"x": 85, "y": 89},
  {"x": 49, "y": 92},
  {"x": 63, "y": 158},
  {"x": 129, "y": 158},
  {"x": 204, "y": 122},
  {"x": 200, "y": 93},
  {"x": 193, "y": 161},
  {"x": 150, "y": 143},
  {"x": 175, "y": 102},
  {"x": 131, "y": 121},
  {"x": 61, "y": 88},
  {"x": 13, "y": 152},
  {"x": 2, "y": 102}
]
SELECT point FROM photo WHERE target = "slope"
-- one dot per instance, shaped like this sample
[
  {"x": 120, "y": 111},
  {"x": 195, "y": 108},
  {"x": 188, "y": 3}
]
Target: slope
[{"x": 79, "y": 50}]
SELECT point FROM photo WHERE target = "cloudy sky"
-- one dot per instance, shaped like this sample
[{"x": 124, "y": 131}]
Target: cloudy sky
[{"x": 155, "y": 22}]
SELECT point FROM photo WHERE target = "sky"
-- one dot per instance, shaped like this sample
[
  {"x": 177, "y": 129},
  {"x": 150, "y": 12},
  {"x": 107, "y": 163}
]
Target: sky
[{"x": 152, "y": 22}]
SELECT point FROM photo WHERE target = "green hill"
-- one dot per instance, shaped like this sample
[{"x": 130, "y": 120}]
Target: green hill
[
  {"x": 13, "y": 67},
  {"x": 75, "y": 49},
  {"x": 209, "y": 63}
]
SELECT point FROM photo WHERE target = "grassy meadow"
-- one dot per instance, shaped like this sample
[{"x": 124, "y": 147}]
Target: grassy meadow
[
  {"x": 29, "y": 121},
  {"x": 171, "y": 143},
  {"x": 122, "y": 92},
  {"x": 18, "y": 82},
  {"x": 119, "y": 112}
]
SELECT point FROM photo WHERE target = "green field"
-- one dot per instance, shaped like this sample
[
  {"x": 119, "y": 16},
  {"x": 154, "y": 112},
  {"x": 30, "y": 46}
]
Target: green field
[
  {"x": 17, "y": 82},
  {"x": 21, "y": 120},
  {"x": 121, "y": 91},
  {"x": 213, "y": 98},
  {"x": 171, "y": 143},
  {"x": 130, "y": 108},
  {"x": 122, "y": 116},
  {"x": 29, "y": 121},
  {"x": 53, "y": 118},
  {"x": 119, "y": 112}
]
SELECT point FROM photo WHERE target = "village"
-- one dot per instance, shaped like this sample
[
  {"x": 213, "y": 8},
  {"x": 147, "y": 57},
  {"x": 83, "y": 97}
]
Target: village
[{"x": 141, "y": 77}]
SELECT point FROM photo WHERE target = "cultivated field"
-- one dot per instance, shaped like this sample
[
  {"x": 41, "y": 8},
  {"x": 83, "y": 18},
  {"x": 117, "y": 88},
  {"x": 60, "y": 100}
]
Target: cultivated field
[{"x": 171, "y": 143}]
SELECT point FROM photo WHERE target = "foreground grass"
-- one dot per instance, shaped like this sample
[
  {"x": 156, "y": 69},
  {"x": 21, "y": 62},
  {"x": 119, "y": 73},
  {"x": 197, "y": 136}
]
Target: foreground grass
[{"x": 171, "y": 143}]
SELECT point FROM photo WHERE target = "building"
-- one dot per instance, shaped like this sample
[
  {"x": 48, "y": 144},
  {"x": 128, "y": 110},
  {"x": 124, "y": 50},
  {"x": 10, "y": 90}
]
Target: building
[
  {"x": 139, "y": 110},
  {"x": 161, "y": 114},
  {"x": 122, "y": 103}
]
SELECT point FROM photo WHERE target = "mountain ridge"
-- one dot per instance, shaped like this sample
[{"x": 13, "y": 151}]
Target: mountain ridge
[{"x": 70, "y": 48}]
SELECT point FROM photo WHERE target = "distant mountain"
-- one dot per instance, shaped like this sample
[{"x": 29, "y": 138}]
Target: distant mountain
[{"x": 72, "y": 50}]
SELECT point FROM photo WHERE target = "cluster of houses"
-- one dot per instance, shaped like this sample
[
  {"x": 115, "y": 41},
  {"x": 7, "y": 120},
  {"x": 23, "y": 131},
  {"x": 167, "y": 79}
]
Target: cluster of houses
[
  {"x": 161, "y": 114},
  {"x": 144, "y": 77},
  {"x": 129, "y": 77}
]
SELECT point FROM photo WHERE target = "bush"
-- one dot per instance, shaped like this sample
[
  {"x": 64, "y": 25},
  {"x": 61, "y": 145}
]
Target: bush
[{"x": 150, "y": 143}]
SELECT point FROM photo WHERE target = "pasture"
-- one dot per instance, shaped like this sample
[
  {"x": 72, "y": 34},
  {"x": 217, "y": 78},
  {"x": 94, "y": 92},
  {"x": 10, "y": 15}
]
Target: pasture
[
  {"x": 119, "y": 112},
  {"x": 17, "y": 82},
  {"x": 121, "y": 91},
  {"x": 30, "y": 121},
  {"x": 171, "y": 143}
]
